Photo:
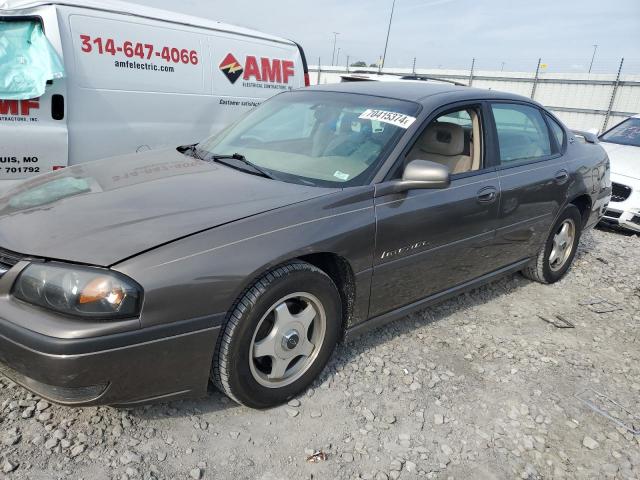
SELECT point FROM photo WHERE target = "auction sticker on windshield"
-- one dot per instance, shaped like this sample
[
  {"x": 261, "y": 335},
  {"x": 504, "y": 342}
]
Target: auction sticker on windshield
[{"x": 393, "y": 118}]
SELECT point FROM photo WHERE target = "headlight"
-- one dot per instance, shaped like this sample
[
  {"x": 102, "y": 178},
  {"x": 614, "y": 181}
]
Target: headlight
[{"x": 79, "y": 291}]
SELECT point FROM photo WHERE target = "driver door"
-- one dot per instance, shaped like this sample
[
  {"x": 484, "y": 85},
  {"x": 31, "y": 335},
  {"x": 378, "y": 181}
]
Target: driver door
[{"x": 429, "y": 241}]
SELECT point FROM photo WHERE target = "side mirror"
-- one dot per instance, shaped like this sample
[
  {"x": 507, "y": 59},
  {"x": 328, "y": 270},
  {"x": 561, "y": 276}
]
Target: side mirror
[
  {"x": 593, "y": 131},
  {"x": 422, "y": 174},
  {"x": 418, "y": 175}
]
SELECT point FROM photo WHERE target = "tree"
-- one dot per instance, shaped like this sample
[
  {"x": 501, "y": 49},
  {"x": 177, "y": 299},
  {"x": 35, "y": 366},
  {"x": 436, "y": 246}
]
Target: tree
[
  {"x": 359, "y": 64},
  {"x": 374, "y": 65}
]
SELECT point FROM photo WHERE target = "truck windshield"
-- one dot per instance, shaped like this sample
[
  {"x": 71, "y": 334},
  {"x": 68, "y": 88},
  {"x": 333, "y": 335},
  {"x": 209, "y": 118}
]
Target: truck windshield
[
  {"x": 318, "y": 138},
  {"x": 627, "y": 133},
  {"x": 27, "y": 60}
]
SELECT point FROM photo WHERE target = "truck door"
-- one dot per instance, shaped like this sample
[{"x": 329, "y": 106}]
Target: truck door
[{"x": 34, "y": 130}]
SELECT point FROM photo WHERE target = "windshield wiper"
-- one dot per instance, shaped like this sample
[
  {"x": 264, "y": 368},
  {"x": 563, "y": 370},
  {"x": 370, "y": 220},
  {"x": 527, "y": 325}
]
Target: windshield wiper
[
  {"x": 192, "y": 150},
  {"x": 239, "y": 158}
]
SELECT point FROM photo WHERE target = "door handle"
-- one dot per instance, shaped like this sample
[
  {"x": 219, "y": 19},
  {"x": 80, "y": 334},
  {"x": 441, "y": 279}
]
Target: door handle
[
  {"x": 57, "y": 107},
  {"x": 561, "y": 177},
  {"x": 487, "y": 195}
]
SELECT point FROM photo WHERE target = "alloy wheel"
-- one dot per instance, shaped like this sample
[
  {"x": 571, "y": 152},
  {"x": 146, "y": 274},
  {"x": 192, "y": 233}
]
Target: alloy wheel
[
  {"x": 287, "y": 340},
  {"x": 563, "y": 244}
]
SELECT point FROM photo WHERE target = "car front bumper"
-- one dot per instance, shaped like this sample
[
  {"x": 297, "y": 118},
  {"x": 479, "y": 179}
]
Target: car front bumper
[
  {"x": 624, "y": 211},
  {"x": 88, "y": 362},
  {"x": 128, "y": 368},
  {"x": 629, "y": 220}
]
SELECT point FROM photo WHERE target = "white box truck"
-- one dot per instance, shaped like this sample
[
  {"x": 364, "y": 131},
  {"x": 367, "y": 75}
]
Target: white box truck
[{"x": 133, "y": 78}]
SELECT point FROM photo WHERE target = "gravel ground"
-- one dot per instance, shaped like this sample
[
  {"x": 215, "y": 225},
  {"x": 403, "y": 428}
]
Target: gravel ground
[{"x": 479, "y": 387}]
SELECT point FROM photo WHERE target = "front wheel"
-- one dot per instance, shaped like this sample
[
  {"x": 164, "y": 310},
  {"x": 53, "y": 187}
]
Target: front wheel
[
  {"x": 279, "y": 336},
  {"x": 557, "y": 254}
]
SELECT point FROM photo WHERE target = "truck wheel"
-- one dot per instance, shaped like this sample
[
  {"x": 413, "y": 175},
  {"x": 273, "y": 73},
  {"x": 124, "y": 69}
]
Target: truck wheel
[
  {"x": 278, "y": 336},
  {"x": 556, "y": 256}
]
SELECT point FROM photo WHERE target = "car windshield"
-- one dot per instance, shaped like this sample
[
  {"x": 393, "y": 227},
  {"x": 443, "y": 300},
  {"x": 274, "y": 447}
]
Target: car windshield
[
  {"x": 627, "y": 133},
  {"x": 317, "y": 138}
]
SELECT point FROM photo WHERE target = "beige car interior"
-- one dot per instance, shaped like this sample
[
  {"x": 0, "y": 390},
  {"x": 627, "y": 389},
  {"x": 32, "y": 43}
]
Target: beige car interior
[{"x": 451, "y": 144}]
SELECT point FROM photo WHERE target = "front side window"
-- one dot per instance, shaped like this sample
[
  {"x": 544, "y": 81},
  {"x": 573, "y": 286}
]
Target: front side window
[
  {"x": 318, "y": 138},
  {"x": 522, "y": 133},
  {"x": 453, "y": 140},
  {"x": 627, "y": 133}
]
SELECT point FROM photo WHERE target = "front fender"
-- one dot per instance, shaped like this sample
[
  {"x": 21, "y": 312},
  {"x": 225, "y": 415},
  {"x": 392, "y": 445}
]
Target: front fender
[{"x": 204, "y": 274}]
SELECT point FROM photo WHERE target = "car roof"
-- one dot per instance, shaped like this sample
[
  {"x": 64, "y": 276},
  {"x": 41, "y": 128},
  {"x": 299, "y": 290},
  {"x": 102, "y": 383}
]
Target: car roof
[
  {"x": 382, "y": 77},
  {"x": 420, "y": 92},
  {"x": 392, "y": 77},
  {"x": 118, "y": 6}
]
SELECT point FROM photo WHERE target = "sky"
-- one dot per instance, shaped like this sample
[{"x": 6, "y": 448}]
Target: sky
[{"x": 446, "y": 33}]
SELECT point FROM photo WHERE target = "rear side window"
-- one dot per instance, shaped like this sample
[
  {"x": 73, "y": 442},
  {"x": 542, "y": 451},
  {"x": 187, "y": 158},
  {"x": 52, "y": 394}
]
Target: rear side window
[
  {"x": 523, "y": 134},
  {"x": 557, "y": 131}
]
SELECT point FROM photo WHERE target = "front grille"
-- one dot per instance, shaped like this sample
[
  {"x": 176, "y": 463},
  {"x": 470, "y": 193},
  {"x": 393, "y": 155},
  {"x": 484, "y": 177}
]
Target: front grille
[
  {"x": 8, "y": 260},
  {"x": 612, "y": 214},
  {"x": 620, "y": 193}
]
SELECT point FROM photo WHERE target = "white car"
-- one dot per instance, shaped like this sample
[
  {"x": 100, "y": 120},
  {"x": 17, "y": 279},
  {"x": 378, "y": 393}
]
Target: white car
[{"x": 622, "y": 143}]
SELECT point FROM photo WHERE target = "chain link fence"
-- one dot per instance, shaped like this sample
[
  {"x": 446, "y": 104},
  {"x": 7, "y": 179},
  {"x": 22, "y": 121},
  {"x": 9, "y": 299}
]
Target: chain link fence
[{"x": 582, "y": 100}]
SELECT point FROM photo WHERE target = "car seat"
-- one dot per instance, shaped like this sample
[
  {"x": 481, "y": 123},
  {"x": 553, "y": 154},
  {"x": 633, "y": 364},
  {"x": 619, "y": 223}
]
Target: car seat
[{"x": 444, "y": 143}]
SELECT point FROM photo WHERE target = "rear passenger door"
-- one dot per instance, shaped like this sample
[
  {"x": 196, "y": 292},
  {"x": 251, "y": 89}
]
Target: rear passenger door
[{"x": 533, "y": 176}]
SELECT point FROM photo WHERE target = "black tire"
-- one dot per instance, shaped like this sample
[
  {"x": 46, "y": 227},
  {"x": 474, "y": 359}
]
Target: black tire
[
  {"x": 231, "y": 370},
  {"x": 540, "y": 269}
]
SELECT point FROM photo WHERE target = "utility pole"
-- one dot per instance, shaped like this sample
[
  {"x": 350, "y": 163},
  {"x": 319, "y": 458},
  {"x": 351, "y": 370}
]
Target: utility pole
[
  {"x": 335, "y": 41},
  {"x": 595, "y": 49},
  {"x": 473, "y": 66},
  {"x": 347, "y": 63},
  {"x": 338, "y": 57},
  {"x": 502, "y": 67},
  {"x": 414, "y": 65},
  {"x": 535, "y": 80},
  {"x": 384, "y": 57},
  {"x": 612, "y": 101}
]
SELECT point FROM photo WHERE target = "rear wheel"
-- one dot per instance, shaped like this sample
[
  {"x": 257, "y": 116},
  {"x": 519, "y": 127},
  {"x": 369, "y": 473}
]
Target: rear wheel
[
  {"x": 279, "y": 336},
  {"x": 557, "y": 254}
]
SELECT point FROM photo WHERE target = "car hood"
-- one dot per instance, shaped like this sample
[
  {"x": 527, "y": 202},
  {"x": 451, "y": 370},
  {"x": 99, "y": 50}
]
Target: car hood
[
  {"x": 102, "y": 212},
  {"x": 625, "y": 159}
]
